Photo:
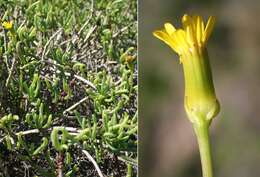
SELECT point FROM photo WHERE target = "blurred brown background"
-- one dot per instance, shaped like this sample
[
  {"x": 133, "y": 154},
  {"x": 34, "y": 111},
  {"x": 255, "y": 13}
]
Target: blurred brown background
[{"x": 167, "y": 143}]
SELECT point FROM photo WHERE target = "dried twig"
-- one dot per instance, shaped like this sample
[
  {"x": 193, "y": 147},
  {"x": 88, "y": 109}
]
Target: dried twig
[
  {"x": 49, "y": 61},
  {"x": 69, "y": 74},
  {"x": 83, "y": 80},
  {"x": 93, "y": 162},
  {"x": 129, "y": 160},
  {"x": 10, "y": 72},
  {"x": 91, "y": 30},
  {"x": 74, "y": 105},
  {"x": 86, "y": 23},
  {"x": 48, "y": 42},
  {"x": 121, "y": 31}
]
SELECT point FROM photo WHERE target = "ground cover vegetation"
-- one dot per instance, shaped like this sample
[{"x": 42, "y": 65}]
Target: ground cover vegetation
[{"x": 68, "y": 88}]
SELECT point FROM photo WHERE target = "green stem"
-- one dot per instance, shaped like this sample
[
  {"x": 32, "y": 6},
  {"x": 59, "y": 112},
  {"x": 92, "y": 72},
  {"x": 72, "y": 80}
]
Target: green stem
[
  {"x": 202, "y": 132},
  {"x": 129, "y": 170}
]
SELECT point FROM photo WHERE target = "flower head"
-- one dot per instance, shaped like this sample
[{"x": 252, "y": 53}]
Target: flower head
[
  {"x": 7, "y": 25},
  {"x": 193, "y": 35},
  {"x": 190, "y": 43}
]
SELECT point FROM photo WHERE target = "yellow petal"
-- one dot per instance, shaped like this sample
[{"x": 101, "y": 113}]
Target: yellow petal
[
  {"x": 202, "y": 28},
  {"x": 7, "y": 25},
  {"x": 190, "y": 26},
  {"x": 191, "y": 38},
  {"x": 162, "y": 35},
  {"x": 180, "y": 39},
  {"x": 199, "y": 29},
  {"x": 209, "y": 28},
  {"x": 195, "y": 19},
  {"x": 186, "y": 21},
  {"x": 169, "y": 28}
]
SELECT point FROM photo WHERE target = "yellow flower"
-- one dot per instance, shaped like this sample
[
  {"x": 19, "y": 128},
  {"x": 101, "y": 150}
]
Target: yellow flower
[
  {"x": 190, "y": 42},
  {"x": 7, "y": 25},
  {"x": 193, "y": 35}
]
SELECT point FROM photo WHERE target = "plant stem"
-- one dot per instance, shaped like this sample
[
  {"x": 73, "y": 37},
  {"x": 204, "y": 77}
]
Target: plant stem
[
  {"x": 202, "y": 132},
  {"x": 59, "y": 163},
  {"x": 129, "y": 170}
]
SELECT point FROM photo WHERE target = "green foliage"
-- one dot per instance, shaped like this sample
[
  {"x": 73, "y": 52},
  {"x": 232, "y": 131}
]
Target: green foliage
[{"x": 68, "y": 81}]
